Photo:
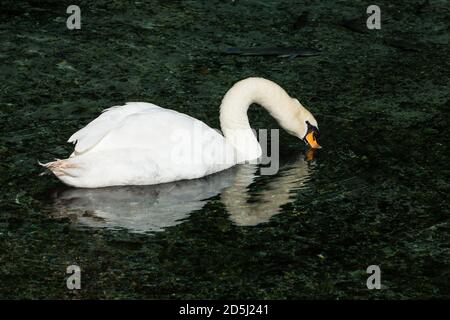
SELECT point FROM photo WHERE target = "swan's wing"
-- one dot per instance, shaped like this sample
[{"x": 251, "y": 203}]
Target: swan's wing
[
  {"x": 183, "y": 147},
  {"x": 161, "y": 130},
  {"x": 96, "y": 130}
]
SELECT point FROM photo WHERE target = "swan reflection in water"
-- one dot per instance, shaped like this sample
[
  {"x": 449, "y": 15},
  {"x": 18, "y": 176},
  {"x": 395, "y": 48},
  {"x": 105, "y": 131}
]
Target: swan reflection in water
[{"x": 142, "y": 209}]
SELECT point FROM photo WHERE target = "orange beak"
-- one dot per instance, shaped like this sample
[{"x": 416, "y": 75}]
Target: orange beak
[{"x": 312, "y": 140}]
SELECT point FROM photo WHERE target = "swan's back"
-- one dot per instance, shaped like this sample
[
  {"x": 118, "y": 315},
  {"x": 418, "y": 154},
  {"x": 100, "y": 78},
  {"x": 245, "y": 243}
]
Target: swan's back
[{"x": 97, "y": 129}]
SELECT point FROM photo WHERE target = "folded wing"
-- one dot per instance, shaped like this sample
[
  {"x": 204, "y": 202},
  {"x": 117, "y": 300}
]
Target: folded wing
[{"x": 89, "y": 136}]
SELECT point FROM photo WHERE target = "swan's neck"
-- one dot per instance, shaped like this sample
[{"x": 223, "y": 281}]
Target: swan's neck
[{"x": 233, "y": 112}]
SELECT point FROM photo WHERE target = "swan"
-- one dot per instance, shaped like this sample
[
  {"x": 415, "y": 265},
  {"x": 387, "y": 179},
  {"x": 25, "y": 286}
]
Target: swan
[{"x": 141, "y": 143}]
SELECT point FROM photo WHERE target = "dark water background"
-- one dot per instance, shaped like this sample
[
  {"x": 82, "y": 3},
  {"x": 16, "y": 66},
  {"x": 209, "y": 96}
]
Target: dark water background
[{"x": 377, "y": 192}]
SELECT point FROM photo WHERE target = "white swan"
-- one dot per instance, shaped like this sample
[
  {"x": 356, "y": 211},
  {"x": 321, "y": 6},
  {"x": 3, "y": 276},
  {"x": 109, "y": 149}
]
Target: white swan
[{"x": 143, "y": 144}]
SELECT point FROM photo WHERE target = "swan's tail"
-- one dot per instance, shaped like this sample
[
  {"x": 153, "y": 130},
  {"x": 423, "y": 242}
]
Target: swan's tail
[{"x": 58, "y": 167}]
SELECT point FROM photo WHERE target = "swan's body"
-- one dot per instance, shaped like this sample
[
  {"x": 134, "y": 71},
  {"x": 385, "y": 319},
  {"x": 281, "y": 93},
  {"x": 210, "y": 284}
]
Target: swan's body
[
  {"x": 136, "y": 144},
  {"x": 142, "y": 144}
]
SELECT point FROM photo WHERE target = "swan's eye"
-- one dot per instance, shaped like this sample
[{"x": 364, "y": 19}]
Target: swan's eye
[{"x": 312, "y": 129}]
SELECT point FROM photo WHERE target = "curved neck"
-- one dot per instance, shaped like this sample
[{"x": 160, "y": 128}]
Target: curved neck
[{"x": 233, "y": 112}]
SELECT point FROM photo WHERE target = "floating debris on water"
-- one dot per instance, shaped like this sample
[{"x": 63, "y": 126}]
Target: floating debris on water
[{"x": 282, "y": 52}]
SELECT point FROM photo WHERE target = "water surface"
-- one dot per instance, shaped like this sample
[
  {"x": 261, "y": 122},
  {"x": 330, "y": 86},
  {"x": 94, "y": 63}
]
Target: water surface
[
  {"x": 376, "y": 194},
  {"x": 145, "y": 209}
]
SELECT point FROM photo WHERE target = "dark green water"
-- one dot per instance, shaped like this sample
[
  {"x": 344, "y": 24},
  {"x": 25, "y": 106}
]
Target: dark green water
[{"x": 377, "y": 193}]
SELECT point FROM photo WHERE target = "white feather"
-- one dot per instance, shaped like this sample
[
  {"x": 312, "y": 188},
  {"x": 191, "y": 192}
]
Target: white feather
[{"x": 110, "y": 118}]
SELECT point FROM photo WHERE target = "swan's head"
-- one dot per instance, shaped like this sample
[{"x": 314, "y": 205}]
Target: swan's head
[{"x": 302, "y": 124}]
